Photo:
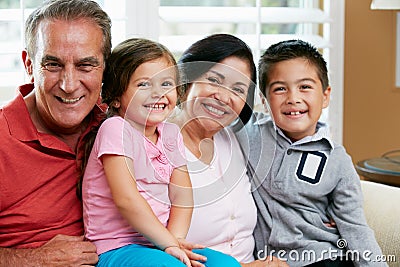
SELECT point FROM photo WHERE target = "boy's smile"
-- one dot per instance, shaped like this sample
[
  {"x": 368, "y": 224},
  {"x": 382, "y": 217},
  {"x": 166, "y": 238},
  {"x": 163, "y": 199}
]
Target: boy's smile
[{"x": 296, "y": 97}]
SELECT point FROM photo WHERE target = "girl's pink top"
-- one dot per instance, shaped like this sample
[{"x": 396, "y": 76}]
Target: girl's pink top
[{"x": 153, "y": 166}]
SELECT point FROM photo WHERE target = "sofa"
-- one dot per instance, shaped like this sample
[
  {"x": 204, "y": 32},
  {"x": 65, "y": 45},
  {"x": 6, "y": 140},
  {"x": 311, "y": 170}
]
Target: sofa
[{"x": 382, "y": 210}]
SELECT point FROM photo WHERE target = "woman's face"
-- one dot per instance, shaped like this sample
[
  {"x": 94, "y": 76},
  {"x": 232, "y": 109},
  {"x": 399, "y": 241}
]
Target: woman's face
[{"x": 216, "y": 98}]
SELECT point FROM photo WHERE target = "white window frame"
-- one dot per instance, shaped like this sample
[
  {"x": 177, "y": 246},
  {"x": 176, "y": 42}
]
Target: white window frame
[
  {"x": 332, "y": 44},
  {"x": 141, "y": 19}
]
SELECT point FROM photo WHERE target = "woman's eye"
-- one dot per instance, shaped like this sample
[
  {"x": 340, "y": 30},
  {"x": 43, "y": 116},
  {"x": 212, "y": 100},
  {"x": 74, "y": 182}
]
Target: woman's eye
[
  {"x": 214, "y": 80},
  {"x": 238, "y": 90}
]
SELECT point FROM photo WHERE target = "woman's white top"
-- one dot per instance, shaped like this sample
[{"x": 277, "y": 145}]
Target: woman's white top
[{"x": 225, "y": 215}]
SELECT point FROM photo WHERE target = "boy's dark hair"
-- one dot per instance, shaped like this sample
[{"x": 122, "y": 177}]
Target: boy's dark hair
[{"x": 286, "y": 50}]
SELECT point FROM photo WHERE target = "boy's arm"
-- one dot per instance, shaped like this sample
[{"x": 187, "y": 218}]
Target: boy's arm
[
  {"x": 181, "y": 197},
  {"x": 130, "y": 203},
  {"x": 347, "y": 211}
]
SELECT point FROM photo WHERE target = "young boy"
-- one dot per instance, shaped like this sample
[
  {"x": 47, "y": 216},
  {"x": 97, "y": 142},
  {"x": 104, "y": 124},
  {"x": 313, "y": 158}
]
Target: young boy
[{"x": 301, "y": 178}]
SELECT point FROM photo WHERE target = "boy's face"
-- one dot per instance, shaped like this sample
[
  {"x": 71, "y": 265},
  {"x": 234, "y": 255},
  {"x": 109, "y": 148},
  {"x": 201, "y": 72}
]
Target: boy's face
[{"x": 296, "y": 98}]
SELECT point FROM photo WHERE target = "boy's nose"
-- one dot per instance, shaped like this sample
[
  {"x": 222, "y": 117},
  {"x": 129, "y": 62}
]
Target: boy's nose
[{"x": 293, "y": 97}]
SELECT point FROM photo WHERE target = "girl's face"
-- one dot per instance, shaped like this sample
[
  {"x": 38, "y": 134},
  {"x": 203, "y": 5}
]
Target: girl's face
[
  {"x": 296, "y": 97},
  {"x": 151, "y": 94},
  {"x": 217, "y": 97}
]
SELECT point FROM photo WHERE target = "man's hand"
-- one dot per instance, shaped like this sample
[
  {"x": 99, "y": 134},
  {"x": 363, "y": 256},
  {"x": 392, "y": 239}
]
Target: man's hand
[{"x": 61, "y": 250}]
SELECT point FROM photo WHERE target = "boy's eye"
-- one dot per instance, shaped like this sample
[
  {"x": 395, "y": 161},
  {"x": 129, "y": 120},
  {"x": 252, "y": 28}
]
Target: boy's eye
[
  {"x": 304, "y": 87},
  {"x": 278, "y": 89}
]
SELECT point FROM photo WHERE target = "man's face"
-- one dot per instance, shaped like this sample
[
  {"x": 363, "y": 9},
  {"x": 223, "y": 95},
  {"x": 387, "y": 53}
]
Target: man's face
[{"x": 67, "y": 71}]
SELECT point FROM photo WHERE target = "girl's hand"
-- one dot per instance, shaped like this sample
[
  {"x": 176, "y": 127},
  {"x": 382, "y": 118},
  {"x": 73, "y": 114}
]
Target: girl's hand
[
  {"x": 195, "y": 258},
  {"x": 179, "y": 254}
]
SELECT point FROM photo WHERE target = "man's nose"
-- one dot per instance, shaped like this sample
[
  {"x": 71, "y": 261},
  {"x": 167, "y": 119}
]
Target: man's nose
[{"x": 69, "y": 79}]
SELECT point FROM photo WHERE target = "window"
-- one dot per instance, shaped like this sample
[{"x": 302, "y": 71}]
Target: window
[
  {"x": 179, "y": 23},
  {"x": 12, "y": 15}
]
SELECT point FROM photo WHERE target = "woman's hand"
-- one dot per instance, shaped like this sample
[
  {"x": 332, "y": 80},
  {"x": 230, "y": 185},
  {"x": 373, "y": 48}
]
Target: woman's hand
[{"x": 195, "y": 258}]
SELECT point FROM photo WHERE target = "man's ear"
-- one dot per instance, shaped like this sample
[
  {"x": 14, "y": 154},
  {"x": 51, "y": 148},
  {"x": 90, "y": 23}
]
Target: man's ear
[{"x": 28, "y": 64}]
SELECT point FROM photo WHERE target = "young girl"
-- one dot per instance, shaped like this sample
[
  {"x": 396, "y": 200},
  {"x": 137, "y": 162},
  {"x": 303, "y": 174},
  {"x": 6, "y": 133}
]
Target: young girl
[{"x": 137, "y": 197}]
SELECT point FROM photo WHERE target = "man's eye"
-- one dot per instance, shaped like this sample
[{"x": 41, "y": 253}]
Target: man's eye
[
  {"x": 52, "y": 67},
  {"x": 86, "y": 67}
]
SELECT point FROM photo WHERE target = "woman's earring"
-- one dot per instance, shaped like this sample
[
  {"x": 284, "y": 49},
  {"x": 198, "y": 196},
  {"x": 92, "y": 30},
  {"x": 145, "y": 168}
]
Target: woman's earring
[{"x": 116, "y": 104}]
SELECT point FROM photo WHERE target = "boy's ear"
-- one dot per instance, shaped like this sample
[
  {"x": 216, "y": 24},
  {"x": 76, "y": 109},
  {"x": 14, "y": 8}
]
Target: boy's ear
[{"x": 327, "y": 97}]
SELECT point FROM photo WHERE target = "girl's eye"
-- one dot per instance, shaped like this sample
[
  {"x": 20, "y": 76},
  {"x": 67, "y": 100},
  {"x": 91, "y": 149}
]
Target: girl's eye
[
  {"x": 144, "y": 85},
  {"x": 168, "y": 84}
]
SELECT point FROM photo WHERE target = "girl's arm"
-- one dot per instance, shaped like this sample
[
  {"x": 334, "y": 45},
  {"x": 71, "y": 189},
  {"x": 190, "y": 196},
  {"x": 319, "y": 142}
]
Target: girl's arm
[
  {"x": 130, "y": 203},
  {"x": 181, "y": 197}
]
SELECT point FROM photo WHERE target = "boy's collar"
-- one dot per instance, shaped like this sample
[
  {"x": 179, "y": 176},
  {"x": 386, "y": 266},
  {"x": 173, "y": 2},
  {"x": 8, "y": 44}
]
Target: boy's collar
[{"x": 322, "y": 132}]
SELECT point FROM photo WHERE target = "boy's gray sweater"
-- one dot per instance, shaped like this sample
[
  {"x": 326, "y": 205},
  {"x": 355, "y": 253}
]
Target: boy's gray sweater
[{"x": 298, "y": 187}]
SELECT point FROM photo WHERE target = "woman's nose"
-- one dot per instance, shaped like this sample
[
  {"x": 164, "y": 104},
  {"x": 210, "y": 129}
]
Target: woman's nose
[{"x": 223, "y": 94}]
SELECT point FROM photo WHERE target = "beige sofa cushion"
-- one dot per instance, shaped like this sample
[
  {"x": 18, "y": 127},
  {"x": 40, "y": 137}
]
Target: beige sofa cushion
[{"x": 382, "y": 210}]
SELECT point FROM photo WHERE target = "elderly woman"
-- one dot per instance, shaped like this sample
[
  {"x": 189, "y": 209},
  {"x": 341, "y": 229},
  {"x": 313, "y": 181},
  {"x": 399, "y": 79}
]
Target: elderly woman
[{"x": 219, "y": 78}]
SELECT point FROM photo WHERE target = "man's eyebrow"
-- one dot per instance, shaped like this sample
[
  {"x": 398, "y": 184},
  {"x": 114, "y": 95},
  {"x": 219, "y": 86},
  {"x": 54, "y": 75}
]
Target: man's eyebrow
[
  {"x": 91, "y": 60},
  {"x": 50, "y": 58}
]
